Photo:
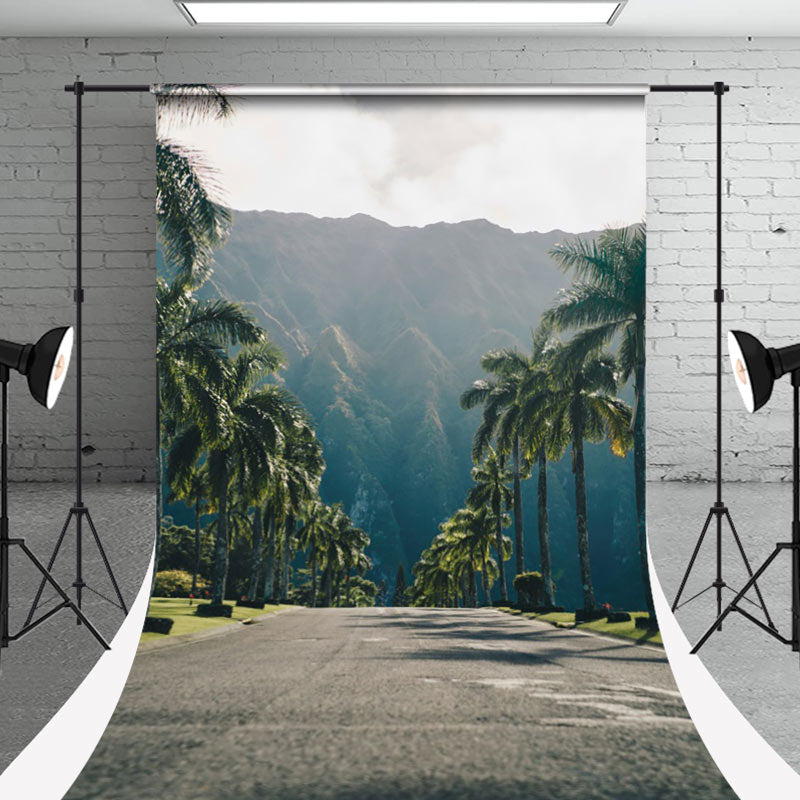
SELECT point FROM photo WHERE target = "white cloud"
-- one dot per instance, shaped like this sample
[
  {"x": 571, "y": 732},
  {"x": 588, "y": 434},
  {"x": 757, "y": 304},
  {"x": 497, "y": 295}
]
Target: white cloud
[{"x": 526, "y": 163}]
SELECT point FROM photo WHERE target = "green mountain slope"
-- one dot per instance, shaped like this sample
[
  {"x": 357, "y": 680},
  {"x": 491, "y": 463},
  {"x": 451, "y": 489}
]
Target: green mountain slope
[{"x": 383, "y": 328}]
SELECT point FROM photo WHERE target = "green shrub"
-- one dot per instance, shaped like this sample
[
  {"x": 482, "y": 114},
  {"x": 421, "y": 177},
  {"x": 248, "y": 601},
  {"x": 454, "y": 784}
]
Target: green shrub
[
  {"x": 176, "y": 583},
  {"x": 530, "y": 589},
  {"x": 214, "y": 610},
  {"x": 157, "y": 625}
]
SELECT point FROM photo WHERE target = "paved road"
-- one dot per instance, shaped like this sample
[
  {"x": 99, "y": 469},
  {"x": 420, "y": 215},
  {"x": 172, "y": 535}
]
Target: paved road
[{"x": 401, "y": 703}]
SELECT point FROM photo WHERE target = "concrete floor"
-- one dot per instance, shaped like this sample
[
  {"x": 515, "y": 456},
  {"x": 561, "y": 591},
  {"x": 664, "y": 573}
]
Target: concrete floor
[
  {"x": 41, "y": 670},
  {"x": 759, "y": 674}
]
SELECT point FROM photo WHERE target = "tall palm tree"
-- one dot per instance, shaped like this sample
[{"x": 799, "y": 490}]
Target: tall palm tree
[
  {"x": 433, "y": 580},
  {"x": 192, "y": 489},
  {"x": 313, "y": 535},
  {"x": 475, "y": 531},
  {"x": 191, "y": 364},
  {"x": 607, "y": 302},
  {"x": 354, "y": 542},
  {"x": 491, "y": 490},
  {"x": 585, "y": 408},
  {"x": 190, "y": 225},
  {"x": 500, "y": 423},
  {"x": 301, "y": 468},
  {"x": 539, "y": 439},
  {"x": 244, "y": 445}
]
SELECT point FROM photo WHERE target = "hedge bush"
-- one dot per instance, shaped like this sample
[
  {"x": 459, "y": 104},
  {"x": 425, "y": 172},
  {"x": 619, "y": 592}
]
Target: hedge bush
[
  {"x": 530, "y": 589},
  {"x": 176, "y": 583},
  {"x": 214, "y": 610},
  {"x": 157, "y": 625}
]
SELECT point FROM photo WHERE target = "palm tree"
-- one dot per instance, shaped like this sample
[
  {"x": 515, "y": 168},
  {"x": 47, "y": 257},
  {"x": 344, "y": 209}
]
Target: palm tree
[
  {"x": 433, "y": 581},
  {"x": 491, "y": 490},
  {"x": 313, "y": 535},
  {"x": 475, "y": 531},
  {"x": 244, "y": 444},
  {"x": 500, "y": 422},
  {"x": 607, "y": 301},
  {"x": 191, "y": 363},
  {"x": 301, "y": 468},
  {"x": 192, "y": 489},
  {"x": 585, "y": 408},
  {"x": 539, "y": 440},
  {"x": 354, "y": 541},
  {"x": 190, "y": 224}
]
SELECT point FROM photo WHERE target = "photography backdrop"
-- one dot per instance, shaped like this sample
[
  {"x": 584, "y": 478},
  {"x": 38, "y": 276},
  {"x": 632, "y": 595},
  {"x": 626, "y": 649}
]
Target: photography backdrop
[{"x": 387, "y": 243}]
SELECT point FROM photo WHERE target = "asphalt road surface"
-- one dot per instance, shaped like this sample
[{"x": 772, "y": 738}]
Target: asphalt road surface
[{"x": 401, "y": 703}]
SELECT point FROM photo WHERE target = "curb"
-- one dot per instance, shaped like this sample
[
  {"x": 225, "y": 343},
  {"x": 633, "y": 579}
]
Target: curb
[
  {"x": 190, "y": 638},
  {"x": 585, "y": 631}
]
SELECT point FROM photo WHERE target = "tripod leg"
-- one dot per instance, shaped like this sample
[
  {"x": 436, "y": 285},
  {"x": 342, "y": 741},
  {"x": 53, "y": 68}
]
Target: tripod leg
[
  {"x": 749, "y": 570},
  {"x": 732, "y": 604},
  {"x": 48, "y": 578},
  {"x": 691, "y": 562},
  {"x": 105, "y": 561},
  {"x": 49, "y": 568}
]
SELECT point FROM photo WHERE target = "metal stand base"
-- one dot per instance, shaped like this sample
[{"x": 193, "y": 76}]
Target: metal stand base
[
  {"x": 5, "y": 636},
  {"x": 720, "y": 511},
  {"x": 793, "y": 547},
  {"x": 78, "y": 512},
  {"x": 794, "y": 640}
]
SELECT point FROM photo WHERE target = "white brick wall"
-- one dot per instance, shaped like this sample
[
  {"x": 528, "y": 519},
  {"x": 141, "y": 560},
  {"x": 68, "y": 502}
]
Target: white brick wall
[{"x": 762, "y": 132}]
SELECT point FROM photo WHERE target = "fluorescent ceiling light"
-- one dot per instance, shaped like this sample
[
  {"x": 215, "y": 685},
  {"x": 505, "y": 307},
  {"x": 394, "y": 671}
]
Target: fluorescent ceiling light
[{"x": 402, "y": 12}]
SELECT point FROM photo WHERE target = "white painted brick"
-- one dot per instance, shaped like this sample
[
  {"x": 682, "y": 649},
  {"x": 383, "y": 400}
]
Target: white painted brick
[{"x": 762, "y": 175}]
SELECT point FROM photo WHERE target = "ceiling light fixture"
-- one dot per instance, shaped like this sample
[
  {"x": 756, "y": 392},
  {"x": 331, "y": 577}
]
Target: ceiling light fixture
[{"x": 402, "y": 12}]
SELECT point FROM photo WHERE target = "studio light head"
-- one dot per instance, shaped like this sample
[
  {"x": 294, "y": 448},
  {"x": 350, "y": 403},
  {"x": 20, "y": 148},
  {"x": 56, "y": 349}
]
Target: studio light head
[
  {"x": 45, "y": 363},
  {"x": 756, "y": 368}
]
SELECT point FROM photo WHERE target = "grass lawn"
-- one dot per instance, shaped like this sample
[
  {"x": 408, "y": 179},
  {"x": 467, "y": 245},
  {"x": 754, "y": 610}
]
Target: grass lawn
[
  {"x": 185, "y": 621},
  {"x": 566, "y": 619}
]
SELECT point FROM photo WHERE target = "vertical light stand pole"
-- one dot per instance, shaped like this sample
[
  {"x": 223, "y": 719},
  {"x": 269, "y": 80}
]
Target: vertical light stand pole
[
  {"x": 719, "y": 510},
  {"x": 79, "y": 510}
]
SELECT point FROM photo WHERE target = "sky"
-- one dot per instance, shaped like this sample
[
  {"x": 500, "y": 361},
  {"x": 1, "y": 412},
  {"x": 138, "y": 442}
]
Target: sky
[{"x": 525, "y": 163}]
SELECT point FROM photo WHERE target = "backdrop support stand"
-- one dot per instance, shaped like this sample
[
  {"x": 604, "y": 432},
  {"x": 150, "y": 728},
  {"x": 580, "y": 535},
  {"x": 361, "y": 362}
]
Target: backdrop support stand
[
  {"x": 79, "y": 510},
  {"x": 719, "y": 511}
]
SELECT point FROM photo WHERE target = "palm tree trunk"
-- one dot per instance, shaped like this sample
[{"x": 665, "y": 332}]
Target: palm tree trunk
[
  {"x": 639, "y": 467},
  {"x": 221, "y": 544},
  {"x": 485, "y": 580},
  {"x": 196, "y": 568},
  {"x": 338, "y": 589},
  {"x": 313, "y": 575},
  {"x": 255, "y": 556},
  {"x": 269, "y": 582},
  {"x": 518, "y": 534},
  {"x": 328, "y": 586},
  {"x": 498, "y": 532},
  {"x": 286, "y": 557},
  {"x": 473, "y": 586},
  {"x": 276, "y": 592},
  {"x": 348, "y": 602},
  {"x": 159, "y": 510},
  {"x": 544, "y": 532},
  {"x": 581, "y": 519}
]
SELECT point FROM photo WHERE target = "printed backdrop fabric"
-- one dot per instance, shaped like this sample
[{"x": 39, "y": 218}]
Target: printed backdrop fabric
[{"x": 451, "y": 292}]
